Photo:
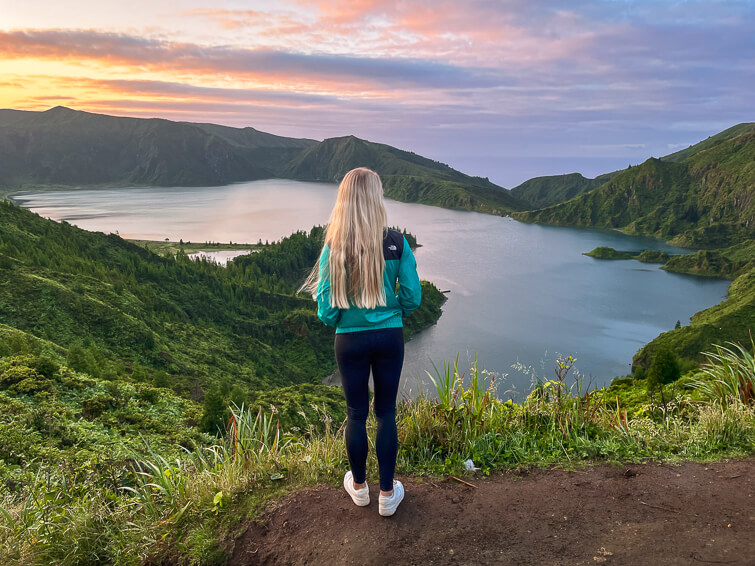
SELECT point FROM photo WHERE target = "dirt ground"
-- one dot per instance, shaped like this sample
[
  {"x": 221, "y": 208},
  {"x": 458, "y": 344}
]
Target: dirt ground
[{"x": 647, "y": 514}]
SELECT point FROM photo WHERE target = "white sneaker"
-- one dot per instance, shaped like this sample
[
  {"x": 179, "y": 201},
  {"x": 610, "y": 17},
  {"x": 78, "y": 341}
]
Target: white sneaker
[
  {"x": 360, "y": 497},
  {"x": 389, "y": 504}
]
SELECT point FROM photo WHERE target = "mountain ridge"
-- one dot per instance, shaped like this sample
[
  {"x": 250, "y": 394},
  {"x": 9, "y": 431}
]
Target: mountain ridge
[
  {"x": 545, "y": 191},
  {"x": 706, "y": 200},
  {"x": 65, "y": 147}
]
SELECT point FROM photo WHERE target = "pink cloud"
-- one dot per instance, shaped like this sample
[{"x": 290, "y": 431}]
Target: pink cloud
[{"x": 467, "y": 33}]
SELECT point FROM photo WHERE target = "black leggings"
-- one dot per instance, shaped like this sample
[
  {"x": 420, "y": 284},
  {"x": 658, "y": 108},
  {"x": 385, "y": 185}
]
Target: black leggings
[{"x": 382, "y": 351}]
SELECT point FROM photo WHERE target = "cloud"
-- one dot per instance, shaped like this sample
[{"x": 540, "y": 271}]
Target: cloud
[
  {"x": 266, "y": 64},
  {"x": 48, "y": 98},
  {"x": 176, "y": 90}
]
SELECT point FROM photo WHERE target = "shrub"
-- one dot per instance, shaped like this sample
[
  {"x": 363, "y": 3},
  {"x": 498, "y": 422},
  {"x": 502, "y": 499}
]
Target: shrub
[
  {"x": 93, "y": 407},
  {"x": 215, "y": 412},
  {"x": 16, "y": 374}
]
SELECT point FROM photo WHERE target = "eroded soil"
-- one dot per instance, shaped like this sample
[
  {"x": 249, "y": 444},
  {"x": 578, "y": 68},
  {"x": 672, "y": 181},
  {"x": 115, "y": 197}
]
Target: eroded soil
[{"x": 648, "y": 514}]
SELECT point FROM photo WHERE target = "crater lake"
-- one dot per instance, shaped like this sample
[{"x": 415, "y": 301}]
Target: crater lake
[{"x": 519, "y": 294}]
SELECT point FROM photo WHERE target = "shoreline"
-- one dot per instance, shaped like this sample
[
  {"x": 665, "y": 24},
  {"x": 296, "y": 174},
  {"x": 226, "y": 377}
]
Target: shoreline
[{"x": 174, "y": 247}]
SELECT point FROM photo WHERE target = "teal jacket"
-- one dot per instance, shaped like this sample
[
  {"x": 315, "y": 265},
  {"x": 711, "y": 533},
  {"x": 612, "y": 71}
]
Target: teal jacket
[{"x": 400, "y": 266}]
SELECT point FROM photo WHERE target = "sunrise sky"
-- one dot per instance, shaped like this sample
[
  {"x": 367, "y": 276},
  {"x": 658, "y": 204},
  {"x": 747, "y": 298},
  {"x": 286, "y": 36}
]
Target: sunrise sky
[{"x": 504, "y": 89}]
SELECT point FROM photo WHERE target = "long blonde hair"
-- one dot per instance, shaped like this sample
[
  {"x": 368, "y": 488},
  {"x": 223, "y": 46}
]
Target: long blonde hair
[{"x": 355, "y": 238}]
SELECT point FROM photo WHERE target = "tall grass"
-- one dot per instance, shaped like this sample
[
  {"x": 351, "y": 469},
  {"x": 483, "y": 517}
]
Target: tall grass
[
  {"x": 180, "y": 508},
  {"x": 729, "y": 375}
]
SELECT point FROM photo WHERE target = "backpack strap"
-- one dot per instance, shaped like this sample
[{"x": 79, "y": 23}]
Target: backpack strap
[{"x": 393, "y": 245}]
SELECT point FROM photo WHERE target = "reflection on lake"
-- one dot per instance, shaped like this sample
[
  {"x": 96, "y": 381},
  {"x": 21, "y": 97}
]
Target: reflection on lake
[
  {"x": 518, "y": 292},
  {"x": 221, "y": 257}
]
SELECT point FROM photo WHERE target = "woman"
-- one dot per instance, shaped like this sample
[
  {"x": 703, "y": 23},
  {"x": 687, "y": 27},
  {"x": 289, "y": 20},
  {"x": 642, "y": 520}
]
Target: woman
[{"x": 355, "y": 286}]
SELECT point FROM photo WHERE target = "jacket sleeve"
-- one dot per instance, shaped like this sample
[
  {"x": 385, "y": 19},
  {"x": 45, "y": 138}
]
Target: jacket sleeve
[
  {"x": 325, "y": 311},
  {"x": 410, "y": 289}
]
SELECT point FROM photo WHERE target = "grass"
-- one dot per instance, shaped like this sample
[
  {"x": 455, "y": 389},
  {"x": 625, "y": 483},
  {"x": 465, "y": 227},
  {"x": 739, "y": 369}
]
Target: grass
[
  {"x": 151, "y": 507},
  {"x": 730, "y": 375}
]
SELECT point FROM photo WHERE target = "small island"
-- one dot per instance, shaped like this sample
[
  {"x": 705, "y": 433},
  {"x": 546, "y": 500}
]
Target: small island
[{"x": 645, "y": 256}]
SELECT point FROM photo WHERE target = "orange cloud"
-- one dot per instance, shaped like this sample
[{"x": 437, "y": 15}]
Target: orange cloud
[{"x": 315, "y": 73}]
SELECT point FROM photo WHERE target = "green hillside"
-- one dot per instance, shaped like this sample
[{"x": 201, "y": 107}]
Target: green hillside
[
  {"x": 68, "y": 148},
  {"x": 541, "y": 192},
  {"x": 704, "y": 201},
  {"x": 729, "y": 133},
  {"x": 267, "y": 150},
  {"x": 188, "y": 324},
  {"x": 728, "y": 262},
  {"x": 406, "y": 176},
  {"x": 193, "y": 322}
]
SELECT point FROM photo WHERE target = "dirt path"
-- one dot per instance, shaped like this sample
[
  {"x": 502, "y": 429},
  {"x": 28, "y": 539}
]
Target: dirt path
[{"x": 635, "y": 515}]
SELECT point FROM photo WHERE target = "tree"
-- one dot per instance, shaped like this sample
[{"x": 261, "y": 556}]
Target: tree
[
  {"x": 663, "y": 370},
  {"x": 215, "y": 412}
]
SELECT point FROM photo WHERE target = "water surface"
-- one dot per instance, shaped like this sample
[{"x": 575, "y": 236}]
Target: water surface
[{"x": 519, "y": 293}]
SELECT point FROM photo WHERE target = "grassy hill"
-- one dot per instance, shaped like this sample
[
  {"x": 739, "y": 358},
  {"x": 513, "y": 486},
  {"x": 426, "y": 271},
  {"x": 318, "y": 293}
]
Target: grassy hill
[
  {"x": 406, "y": 176},
  {"x": 64, "y": 147},
  {"x": 189, "y": 322},
  {"x": 729, "y": 133},
  {"x": 172, "y": 321},
  {"x": 704, "y": 201},
  {"x": 541, "y": 192},
  {"x": 68, "y": 147}
]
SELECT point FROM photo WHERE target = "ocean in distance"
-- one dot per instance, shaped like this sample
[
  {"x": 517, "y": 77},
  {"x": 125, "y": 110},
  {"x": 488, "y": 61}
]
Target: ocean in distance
[{"x": 520, "y": 294}]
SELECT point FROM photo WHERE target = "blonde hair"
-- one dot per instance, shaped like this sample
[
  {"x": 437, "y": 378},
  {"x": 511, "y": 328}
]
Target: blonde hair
[{"x": 355, "y": 238}]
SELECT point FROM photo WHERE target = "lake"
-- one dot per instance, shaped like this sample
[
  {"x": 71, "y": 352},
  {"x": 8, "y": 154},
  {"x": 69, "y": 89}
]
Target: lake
[{"x": 520, "y": 294}]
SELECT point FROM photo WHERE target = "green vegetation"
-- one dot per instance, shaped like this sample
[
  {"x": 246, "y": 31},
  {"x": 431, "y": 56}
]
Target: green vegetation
[
  {"x": 117, "y": 311},
  {"x": 544, "y": 192},
  {"x": 730, "y": 320},
  {"x": 645, "y": 256},
  {"x": 729, "y": 375},
  {"x": 155, "y": 505},
  {"x": 662, "y": 371},
  {"x": 117, "y": 364},
  {"x": 181, "y": 322},
  {"x": 68, "y": 147},
  {"x": 406, "y": 176},
  {"x": 604, "y": 252},
  {"x": 485, "y": 197},
  {"x": 428, "y": 314},
  {"x": 653, "y": 256},
  {"x": 541, "y": 192},
  {"x": 704, "y": 201},
  {"x": 729, "y": 133},
  {"x": 149, "y": 402},
  {"x": 726, "y": 262}
]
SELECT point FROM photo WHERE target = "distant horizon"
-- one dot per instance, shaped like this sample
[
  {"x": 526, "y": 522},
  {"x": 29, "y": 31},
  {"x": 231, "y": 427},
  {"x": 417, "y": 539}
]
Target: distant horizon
[
  {"x": 467, "y": 171},
  {"x": 506, "y": 90}
]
